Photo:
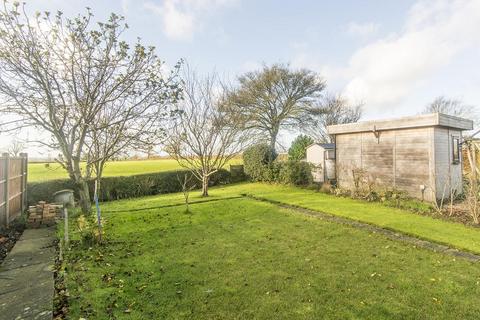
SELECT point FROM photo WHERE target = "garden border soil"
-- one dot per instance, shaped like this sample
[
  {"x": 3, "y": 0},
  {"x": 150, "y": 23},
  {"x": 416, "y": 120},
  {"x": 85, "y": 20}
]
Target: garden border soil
[{"x": 8, "y": 238}]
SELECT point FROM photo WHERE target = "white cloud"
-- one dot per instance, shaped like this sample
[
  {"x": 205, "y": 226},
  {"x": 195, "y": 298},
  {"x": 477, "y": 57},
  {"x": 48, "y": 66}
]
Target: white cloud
[
  {"x": 362, "y": 29},
  {"x": 182, "y": 18},
  {"x": 384, "y": 72}
]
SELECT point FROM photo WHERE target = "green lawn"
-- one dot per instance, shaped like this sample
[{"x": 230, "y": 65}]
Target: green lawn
[
  {"x": 41, "y": 172},
  {"x": 451, "y": 233},
  {"x": 246, "y": 259}
]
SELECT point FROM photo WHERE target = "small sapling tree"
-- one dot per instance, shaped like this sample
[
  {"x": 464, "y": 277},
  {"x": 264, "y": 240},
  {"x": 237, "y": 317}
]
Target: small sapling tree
[
  {"x": 204, "y": 138},
  {"x": 187, "y": 184}
]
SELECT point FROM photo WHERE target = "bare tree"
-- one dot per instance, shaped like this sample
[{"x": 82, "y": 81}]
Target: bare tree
[
  {"x": 275, "y": 97},
  {"x": 453, "y": 107},
  {"x": 16, "y": 147},
  {"x": 332, "y": 110},
  {"x": 122, "y": 127},
  {"x": 187, "y": 186},
  {"x": 204, "y": 138},
  {"x": 59, "y": 75},
  {"x": 473, "y": 186}
]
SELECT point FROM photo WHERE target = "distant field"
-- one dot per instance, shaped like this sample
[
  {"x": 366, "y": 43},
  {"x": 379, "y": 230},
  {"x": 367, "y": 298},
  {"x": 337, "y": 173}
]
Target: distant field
[{"x": 42, "y": 172}]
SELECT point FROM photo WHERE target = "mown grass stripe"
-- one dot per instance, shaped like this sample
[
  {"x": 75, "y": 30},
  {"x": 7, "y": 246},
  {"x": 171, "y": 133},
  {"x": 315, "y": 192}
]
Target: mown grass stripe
[
  {"x": 389, "y": 233},
  {"x": 171, "y": 205}
]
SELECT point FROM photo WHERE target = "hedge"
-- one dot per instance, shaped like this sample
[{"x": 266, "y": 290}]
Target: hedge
[
  {"x": 258, "y": 161},
  {"x": 114, "y": 188},
  {"x": 261, "y": 165},
  {"x": 298, "y": 173}
]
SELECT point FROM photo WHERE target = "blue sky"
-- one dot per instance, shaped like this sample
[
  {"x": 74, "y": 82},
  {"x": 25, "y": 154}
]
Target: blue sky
[{"x": 395, "y": 56}]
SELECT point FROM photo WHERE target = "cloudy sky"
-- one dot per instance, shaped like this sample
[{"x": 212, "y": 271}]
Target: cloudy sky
[{"x": 395, "y": 56}]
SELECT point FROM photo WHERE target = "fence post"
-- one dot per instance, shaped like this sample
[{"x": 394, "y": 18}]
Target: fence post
[
  {"x": 6, "y": 191},
  {"x": 24, "y": 157}
]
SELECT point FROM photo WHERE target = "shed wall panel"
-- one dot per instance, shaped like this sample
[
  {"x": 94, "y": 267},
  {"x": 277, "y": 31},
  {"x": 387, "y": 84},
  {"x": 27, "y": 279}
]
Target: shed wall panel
[
  {"x": 348, "y": 149},
  {"x": 448, "y": 175},
  {"x": 398, "y": 159}
]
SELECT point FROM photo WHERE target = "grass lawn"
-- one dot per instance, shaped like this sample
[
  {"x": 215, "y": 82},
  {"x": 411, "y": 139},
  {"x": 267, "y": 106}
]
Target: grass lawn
[
  {"x": 245, "y": 259},
  {"x": 450, "y": 233},
  {"x": 40, "y": 172}
]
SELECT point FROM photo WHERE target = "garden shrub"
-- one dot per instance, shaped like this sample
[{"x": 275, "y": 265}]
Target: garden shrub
[
  {"x": 237, "y": 173},
  {"x": 298, "y": 173},
  {"x": 260, "y": 165},
  {"x": 88, "y": 231},
  {"x": 258, "y": 161},
  {"x": 326, "y": 187},
  {"x": 114, "y": 188}
]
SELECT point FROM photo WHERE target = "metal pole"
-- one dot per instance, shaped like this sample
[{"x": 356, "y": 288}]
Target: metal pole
[
  {"x": 24, "y": 180},
  {"x": 99, "y": 215},
  {"x": 65, "y": 232},
  {"x": 6, "y": 189}
]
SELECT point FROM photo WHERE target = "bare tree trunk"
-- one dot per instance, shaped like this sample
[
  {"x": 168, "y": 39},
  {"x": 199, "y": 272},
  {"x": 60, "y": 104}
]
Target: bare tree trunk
[
  {"x": 273, "y": 140},
  {"x": 205, "y": 185},
  {"x": 81, "y": 185},
  {"x": 84, "y": 193}
]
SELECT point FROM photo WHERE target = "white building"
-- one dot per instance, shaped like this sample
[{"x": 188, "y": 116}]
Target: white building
[{"x": 322, "y": 157}]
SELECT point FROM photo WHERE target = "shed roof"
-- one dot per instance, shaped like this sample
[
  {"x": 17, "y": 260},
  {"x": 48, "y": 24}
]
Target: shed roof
[
  {"x": 424, "y": 120},
  {"x": 323, "y": 145}
]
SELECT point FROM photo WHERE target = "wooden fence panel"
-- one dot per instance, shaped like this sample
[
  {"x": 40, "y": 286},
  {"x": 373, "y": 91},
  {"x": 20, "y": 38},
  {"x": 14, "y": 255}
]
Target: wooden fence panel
[{"x": 13, "y": 182}]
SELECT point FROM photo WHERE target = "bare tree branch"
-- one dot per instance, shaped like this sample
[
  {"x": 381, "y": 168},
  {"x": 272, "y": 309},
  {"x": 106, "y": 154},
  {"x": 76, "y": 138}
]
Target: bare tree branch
[
  {"x": 78, "y": 81},
  {"x": 329, "y": 111},
  {"x": 204, "y": 138}
]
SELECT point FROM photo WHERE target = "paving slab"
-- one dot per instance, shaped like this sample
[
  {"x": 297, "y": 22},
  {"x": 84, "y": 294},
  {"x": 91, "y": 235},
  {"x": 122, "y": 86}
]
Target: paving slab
[{"x": 26, "y": 277}]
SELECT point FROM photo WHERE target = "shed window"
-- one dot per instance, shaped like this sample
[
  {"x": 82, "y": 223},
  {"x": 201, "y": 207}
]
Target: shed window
[{"x": 455, "y": 150}]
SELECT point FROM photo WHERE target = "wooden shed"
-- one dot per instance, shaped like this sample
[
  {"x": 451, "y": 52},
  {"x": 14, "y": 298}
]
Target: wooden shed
[
  {"x": 322, "y": 157},
  {"x": 419, "y": 154}
]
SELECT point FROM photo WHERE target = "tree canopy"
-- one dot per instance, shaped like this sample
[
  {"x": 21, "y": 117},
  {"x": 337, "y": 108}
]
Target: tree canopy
[
  {"x": 332, "y": 109},
  {"x": 299, "y": 146},
  {"x": 273, "y": 98},
  {"x": 66, "y": 76}
]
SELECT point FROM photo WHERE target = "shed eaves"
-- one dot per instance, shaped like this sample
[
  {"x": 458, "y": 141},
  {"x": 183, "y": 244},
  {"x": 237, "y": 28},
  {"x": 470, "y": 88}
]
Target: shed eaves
[{"x": 425, "y": 120}]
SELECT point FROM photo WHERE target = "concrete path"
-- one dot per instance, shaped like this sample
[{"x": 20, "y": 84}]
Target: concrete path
[{"x": 26, "y": 277}]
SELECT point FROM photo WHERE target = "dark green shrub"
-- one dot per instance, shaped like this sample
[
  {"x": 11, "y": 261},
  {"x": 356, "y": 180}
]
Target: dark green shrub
[
  {"x": 298, "y": 173},
  {"x": 114, "y": 188},
  {"x": 257, "y": 161},
  {"x": 271, "y": 173},
  {"x": 37, "y": 191},
  {"x": 237, "y": 173}
]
